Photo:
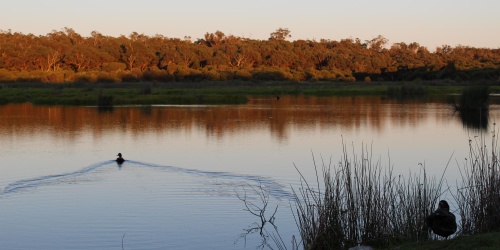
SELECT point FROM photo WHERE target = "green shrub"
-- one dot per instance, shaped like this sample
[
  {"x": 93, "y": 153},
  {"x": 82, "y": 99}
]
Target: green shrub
[
  {"x": 146, "y": 89},
  {"x": 7, "y": 76},
  {"x": 83, "y": 78},
  {"x": 128, "y": 77},
  {"x": 104, "y": 100},
  {"x": 105, "y": 77},
  {"x": 114, "y": 67},
  {"x": 272, "y": 74},
  {"x": 188, "y": 74},
  {"x": 226, "y": 75},
  {"x": 242, "y": 75}
]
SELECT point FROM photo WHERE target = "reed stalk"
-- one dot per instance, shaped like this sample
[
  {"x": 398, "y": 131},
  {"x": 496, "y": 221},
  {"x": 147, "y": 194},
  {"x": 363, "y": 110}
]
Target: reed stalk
[
  {"x": 478, "y": 193},
  {"x": 362, "y": 203}
]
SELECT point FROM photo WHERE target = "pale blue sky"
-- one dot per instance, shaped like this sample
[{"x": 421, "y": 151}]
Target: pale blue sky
[{"x": 431, "y": 23}]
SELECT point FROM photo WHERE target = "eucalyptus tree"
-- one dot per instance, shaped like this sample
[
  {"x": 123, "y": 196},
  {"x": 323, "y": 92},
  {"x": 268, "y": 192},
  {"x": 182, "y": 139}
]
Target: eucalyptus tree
[{"x": 281, "y": 34}]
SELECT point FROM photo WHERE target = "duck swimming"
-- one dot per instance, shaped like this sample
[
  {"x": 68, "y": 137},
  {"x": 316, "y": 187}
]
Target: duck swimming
[
  {"x": 120, "y": 159},
  {"x": 441, "y": 221}
]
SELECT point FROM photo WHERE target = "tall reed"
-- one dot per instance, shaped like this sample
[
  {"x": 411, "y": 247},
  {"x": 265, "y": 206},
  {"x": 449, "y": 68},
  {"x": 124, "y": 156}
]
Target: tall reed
[
  {"x": 362, "y": 203},
  {"x": 407, "y": 89},
  {"x": 478, "y": 193}
]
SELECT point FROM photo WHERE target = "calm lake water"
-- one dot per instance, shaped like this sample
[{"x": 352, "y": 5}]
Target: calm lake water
[{"x": 61, "y": 189}]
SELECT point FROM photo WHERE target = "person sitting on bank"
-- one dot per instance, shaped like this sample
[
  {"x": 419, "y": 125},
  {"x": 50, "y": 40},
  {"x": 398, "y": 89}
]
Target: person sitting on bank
[{"x": 442, "y": 221}]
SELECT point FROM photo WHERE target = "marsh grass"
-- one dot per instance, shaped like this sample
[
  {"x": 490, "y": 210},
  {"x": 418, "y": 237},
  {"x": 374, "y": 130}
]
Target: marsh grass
[
  {"x": 147, "y": 89},
  {"x": 478, "y": 193},
  {"x": 407, "y": 89},
  {"x": 104, "y": 100},
  {"x": 128, "y": 94},
  {"x": 202, "y": 92},
  {"x": 362, "y": 203}
]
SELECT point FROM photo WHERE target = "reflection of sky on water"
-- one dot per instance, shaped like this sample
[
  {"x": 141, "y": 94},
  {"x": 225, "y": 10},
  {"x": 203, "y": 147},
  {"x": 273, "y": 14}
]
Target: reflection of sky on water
[
  {"x": 262, "y": 139},
  {"x": 156, "y": 206}
]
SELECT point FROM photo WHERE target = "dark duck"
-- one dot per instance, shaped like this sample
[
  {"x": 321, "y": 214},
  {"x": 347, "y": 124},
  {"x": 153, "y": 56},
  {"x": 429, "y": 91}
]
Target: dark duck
[
  {"x": 120, "y": 159},
  {"x": 441, "y": 221}
]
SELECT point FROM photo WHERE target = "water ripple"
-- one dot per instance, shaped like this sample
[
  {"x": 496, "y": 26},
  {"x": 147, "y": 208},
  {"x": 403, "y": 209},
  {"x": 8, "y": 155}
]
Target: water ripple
[
  {"x": 227, "y": 179},
  {"x": 48, "y": 179}
]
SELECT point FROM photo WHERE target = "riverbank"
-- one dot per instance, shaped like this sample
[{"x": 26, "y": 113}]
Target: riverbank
[
  {"x": 207, "y": 92},
  {"x": 479, "y": 242}
]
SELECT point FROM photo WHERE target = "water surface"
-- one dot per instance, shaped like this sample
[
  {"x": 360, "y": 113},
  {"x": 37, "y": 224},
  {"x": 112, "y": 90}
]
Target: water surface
[{"x": 61, "y": 189}]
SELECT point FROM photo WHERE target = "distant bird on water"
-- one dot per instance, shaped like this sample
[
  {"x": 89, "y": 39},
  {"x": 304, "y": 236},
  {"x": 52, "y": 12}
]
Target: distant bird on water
[
  {"x": 441, "y": 221},
  {"x": 120, "y": 159}
]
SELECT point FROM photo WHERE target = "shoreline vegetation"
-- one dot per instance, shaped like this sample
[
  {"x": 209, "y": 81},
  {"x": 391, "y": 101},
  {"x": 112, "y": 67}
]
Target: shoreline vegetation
[
  {"x": 215, "y": 92},
  {"x": 66, "y": 56},
  {"x": 225, "y": 69},
  {"x": 358, "y": 202}
]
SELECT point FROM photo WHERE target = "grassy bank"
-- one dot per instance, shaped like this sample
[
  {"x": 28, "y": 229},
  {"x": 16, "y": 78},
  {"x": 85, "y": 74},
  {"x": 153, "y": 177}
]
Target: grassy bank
[
  {"x": 129, "y": 94},
  {"x": 143, "y": 93},
  {"x": 487, "y": 241},
  {"x": 206, "y": 92}
]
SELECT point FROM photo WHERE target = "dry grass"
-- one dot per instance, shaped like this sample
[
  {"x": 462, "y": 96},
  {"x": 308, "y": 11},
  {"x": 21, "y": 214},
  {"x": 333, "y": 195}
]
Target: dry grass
[
  {"x": 478, "y": 194},
  {"x": 363, "y": 203},
  {"x": 359, "y": 202}
]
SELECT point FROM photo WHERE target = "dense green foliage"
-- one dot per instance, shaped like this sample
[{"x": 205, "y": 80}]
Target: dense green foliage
[{"x": 65, "y": 56}]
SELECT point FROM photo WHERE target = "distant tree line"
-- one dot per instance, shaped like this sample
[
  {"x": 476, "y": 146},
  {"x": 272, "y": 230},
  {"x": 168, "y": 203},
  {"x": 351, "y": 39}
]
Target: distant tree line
[{"x": 66, "y": 56}]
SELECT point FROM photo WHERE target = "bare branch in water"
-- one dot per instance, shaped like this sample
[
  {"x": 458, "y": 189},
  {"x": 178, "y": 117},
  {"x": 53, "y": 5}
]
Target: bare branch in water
[
  {"x": 123, "y": 237},
  {"x": 259, "y": 210}
]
